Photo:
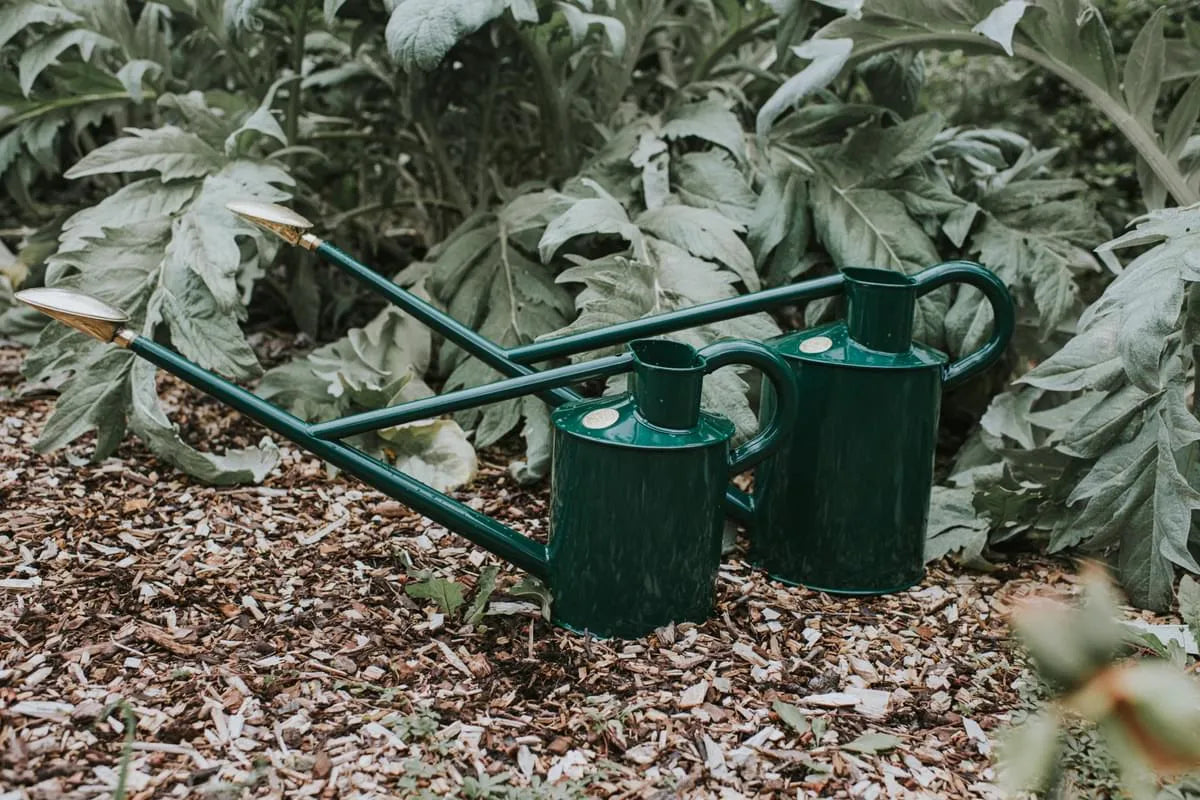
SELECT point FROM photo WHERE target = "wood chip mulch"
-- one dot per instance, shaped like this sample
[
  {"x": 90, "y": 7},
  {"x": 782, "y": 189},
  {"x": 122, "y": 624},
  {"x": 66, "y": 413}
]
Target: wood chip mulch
[{"x": 259, "y": 642}]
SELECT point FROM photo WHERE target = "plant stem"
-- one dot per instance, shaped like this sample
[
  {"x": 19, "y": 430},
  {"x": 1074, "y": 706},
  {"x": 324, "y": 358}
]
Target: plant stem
[
  {"x": 453, "y": 183},
  {"x": 292, "y": 123},
  {"x": 731, "y": 42},
  {"x": 556, "y": 122},
  {"x": 68, "y": 102}
]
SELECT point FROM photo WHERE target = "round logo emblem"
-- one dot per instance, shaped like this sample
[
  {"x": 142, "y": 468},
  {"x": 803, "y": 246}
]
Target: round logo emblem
[
  {"x": 817, "y": 344},
  {"x": 600, "y": 418}
]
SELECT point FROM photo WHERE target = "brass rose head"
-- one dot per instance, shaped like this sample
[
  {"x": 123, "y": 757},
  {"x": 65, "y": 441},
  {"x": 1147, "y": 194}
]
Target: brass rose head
[
  {"x": 279, "y": 220},
  {"x": 80, "y": 311}
]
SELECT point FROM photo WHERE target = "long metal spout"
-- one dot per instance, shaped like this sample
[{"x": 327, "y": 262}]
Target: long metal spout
[
  {"x": 82, "y": 312},
  {"x": 92, "y": 316}
]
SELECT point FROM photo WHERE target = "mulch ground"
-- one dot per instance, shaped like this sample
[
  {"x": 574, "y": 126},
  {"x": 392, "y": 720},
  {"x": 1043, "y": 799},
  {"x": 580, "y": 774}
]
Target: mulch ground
[{"x": 259, "y": 642}]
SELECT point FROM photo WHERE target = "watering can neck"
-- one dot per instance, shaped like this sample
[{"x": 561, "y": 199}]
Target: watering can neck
[
  {"x": 880, "y": 306},
  {"x": 667, "y": 381}
]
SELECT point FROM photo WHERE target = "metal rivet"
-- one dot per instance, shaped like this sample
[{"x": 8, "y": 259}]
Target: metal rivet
[
  {"x": 817, "y": 344},
  {"x": 600, "y": 418}
]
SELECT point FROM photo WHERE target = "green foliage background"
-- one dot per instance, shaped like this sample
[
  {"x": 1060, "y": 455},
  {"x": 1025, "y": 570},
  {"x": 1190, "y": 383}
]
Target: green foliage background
[{"x": 539, "y": 167}]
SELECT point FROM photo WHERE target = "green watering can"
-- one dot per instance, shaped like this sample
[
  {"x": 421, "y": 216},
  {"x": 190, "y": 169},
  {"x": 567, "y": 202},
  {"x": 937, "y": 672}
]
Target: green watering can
[
  {"x": 638, "y": 479},
  {"x": 843, "y": 505}
]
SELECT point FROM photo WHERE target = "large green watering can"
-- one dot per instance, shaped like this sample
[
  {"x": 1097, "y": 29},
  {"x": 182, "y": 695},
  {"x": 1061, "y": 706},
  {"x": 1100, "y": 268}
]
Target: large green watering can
[
  {"x": 638, "y": 479},
  {"x": 843, "y": 505}
]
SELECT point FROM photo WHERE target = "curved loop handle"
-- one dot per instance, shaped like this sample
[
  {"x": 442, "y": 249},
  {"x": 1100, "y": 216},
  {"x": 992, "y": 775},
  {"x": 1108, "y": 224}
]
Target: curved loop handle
[
  {"x": 772, "y": 431},
  {"x": 1003, "y": 315}
]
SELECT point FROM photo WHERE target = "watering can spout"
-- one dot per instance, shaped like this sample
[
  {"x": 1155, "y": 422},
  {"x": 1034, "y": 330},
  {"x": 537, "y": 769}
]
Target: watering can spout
[
  {"x": 279, "y": 220},
  {"x": 82, "y": 312}
]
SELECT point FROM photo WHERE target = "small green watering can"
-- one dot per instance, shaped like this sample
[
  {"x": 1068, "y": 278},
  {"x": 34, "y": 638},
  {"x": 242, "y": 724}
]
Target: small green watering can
[
  {"x": 638, "y": 479},
  {"x": 842, "y": 506}
]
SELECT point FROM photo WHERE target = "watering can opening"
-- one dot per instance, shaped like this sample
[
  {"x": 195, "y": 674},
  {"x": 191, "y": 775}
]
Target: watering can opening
[
  {"x": 880, "y": 305},
  {"x": 667, "y": 381},
  {"x": 665, "y": 354},
  {"x": 871, "y": 276}
]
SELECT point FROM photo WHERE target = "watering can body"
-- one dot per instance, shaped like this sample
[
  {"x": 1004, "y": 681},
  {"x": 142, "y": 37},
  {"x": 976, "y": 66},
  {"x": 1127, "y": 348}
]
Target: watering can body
[
  {"x": 637, "y": 491},
  {"x": 843, "y": 504},
  {"x": 636, "y": 517}
]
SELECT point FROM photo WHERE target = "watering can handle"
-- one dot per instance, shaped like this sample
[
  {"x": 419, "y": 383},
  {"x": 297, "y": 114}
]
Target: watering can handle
[
  {"x": 774, "y": 430},
  {"x": 1003, "y": 316}
]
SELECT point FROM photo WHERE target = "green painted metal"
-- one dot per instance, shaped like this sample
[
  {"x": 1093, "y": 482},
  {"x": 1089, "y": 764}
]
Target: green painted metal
[
  {"x": 638, "y": 478},
  {"x": 670, "y": 321},
  {"x": 635, "y": 538},
  {"x": 428, "y": 407},
  {"x": 481, "y": 347},
  {"x": 842, "y": 506}
]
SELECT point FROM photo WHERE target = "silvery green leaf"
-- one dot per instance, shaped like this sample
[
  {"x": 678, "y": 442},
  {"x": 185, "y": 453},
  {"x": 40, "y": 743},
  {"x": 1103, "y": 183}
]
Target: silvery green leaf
[
  {"x": 1001, "y": 22},
  {"x": 1089, "y": 360},
  {"x": 96, "y": 398},
  {"x": 868, "y": 226},
  {"x": 1182, "y": 121},
  {"x": 957, "y": 223},
  {"x": 1008, "y": 415},
  {"x": 330, "y": 10},
  {"x": 1029, "y": 752},
  {"x": 435, "y": 452},
  {"x": 523, "y": 10},
  {"x": 201, "y": 330},
  {"x": 711, "y": 180},
  {"x": 142, "y": 200},
  {"x": 240, "y": 14},
  {"x": 419, "y": 33},
  {"x": 538, "y": 437},
  {"x": 703, "y": 233},
  {"x": 133, "y": 74},
  {"x": 483, "y": 593},
  {"x": 44, "y": 52},
  {"x": 827, "y": 57},
  {"x": 1144, "y": 67},
  {"x": 654, "y": 160},
  {"x": 447, "y": 594},
  {"x": 10, "y": 148},
  {"x": 197, "y": 117},
  {"x": 202, "y": 242},
  {"x": 1189, "y": 604},
  {"x": 490, "y": 283},
  {"x": 895, "y": 79},
  {"x": 1107, "y": 423},
  {"x": 169, "y": 151},
  {"x": 19, "y": 16},
  {"x": 151, "y": 425},
  {"x": 579, "y": 21},
  {"x": 777, "y": 211},
  {"x": 261, "y": 121},
  {"x": 589, "y": 215},
  {"x": 710, "y": 121}
]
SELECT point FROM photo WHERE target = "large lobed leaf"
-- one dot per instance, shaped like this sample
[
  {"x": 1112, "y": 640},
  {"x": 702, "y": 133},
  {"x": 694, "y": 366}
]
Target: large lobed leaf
[
  {"x": 1132, "y": 438},
  {"x": 165, "y": 250}
]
